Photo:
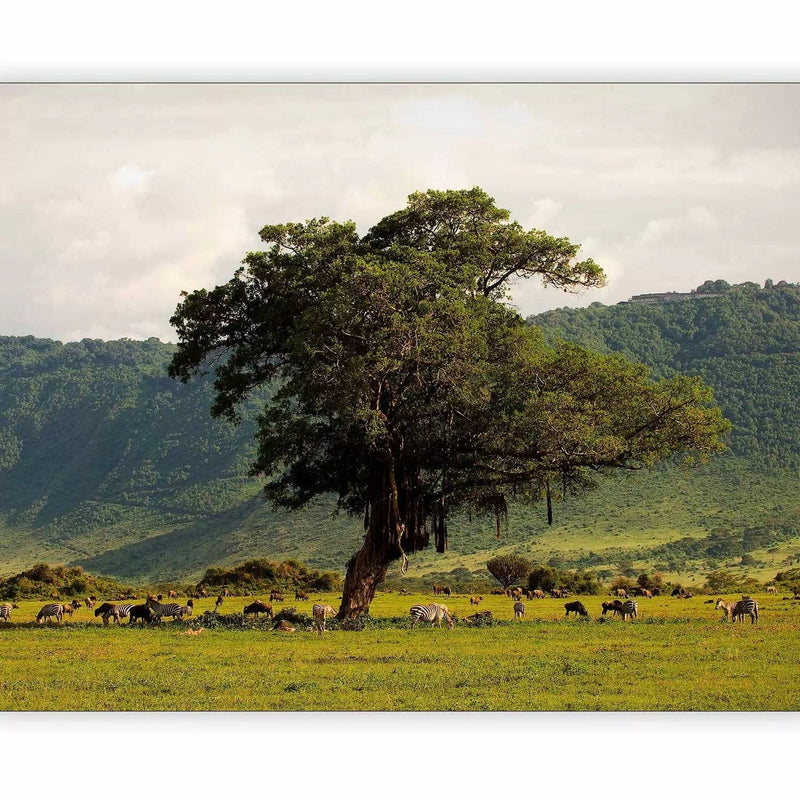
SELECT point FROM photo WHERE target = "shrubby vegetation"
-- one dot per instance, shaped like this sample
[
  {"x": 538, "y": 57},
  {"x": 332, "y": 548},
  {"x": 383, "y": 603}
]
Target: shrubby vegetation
[
  {"x": 46, "y": 581},
  {"x": 260, "y": 574}
]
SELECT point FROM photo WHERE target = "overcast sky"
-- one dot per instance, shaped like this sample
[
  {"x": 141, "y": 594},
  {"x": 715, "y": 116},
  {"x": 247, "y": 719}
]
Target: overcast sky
[{"x": 114, "y": 198}]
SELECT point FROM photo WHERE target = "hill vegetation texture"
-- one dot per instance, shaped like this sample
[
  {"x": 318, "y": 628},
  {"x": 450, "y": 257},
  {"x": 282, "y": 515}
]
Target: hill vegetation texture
[{"x": 108, "y": 464}]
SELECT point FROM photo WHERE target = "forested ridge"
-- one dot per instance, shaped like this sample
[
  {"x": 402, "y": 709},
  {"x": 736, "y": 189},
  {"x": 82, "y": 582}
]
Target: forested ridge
[
  {"x": 108, "y": 463},
  {"x": 744, "y": 343}
]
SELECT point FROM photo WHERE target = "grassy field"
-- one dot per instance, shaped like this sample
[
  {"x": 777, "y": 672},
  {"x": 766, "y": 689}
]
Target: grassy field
[{"x": 677, "y": 656}]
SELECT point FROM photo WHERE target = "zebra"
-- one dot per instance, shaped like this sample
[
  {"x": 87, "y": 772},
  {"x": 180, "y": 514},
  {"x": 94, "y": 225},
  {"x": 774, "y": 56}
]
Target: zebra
[
  {"x": 630, "y": 608},
  {"x": 746, "y": 606},
  {"x": 432, "y": 613},
  {"x": 321, "y": 613},
  {"x": 115, "y": 611},
  {"x": 51, "y": 610},
  {"x": 5, "y": 610},
  {"x": 519, "y": 610},
  {"x": 165, "y": 609}
]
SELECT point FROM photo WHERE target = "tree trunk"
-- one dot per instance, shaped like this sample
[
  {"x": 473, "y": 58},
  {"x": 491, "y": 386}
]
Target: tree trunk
[
  {"x": 365, "y": 571},
  {"x": 394, "y": 525}
]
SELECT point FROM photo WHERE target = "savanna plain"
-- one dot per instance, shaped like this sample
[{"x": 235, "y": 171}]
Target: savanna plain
[{"x": 679, "y": 655}]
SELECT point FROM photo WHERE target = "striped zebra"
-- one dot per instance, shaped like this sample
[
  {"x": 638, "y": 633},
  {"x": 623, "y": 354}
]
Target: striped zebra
[
  {"x": 321, "y": 613},
  {"x": 5, "y": 610},
  {"x": 630, "y": 608},
  {"x": 115, "y": 611},
  {"x": 432, "y": 613},
  {"x": 165, "y": 609},
  {"x": 51, "y": 610},
  {"x": 746, "y": 606}
]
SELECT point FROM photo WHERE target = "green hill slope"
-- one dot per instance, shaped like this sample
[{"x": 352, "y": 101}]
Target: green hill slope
[{"x": 106, "y": 463}]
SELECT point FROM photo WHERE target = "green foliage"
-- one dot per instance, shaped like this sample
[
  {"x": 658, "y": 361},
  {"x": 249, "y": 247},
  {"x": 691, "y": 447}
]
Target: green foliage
[
  {"x": 745, "y": 344},
  {"x": 260, "y": 574},
  {"x": 509, "y": 569},
  {"x": 46, "y": 580}
]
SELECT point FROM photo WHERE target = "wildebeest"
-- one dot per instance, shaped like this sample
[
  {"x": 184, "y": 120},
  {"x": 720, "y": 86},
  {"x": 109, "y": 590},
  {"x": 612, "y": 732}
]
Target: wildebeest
[
  {"x": 538, "y": 594},
  {"x": 615, "y": 607},
  {"x": 771, "y": 590},
  {"x": 300, "y": 595},
  {"x": 555, "y": 593},
  {"x": 141, "y": 612},
  {"x": 257, "y": 608},
  {"x": 275, "y": 596},
  {"x": 172, "y": 593},
  {"x": 577, "y": 608},
  {"x": 519, "y": 610},
  {"x": 473, "y": 601},
  {"x": 621, "y": 593},
  {"x": 516, "y": 593}
]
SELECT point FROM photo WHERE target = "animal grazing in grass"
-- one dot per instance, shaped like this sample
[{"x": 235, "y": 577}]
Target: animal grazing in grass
[
  {"x": 218, "y": 602},
  {"x": 746, "y": 607},
  {"x": 5, "y": 610},
  {"x": 89, "y": 603},
  {"x": 771, "y": 590},
  {"x": 519, "y": 610},
  {"x": 71, "y": 608},
  {"x": 555, "y": 593},
  {"x": 299, "y": 595},
  {"x": 498, "y": 591},
  {"x": 529, "y": 594},
  {"x": 622, "y": 593},
  {"x": 49, "y": 611},
  {"x": 172, "y": 593},
  {"x": 164, "y": 609},
  {"x": 115, "y": 611},
  {"x": 433, "y": 613},
  {"x": 615, "y": 607},
  {"x": 437, "y": 588},
  {"x": 203, "y": 593},
  {"x": 275, "y": 596},
  {"x": 726, "y": 607},
  {"x": 538, "y": 594},
  {"x": 630, "y": 608},
  {"x": 577, "y": 608},
  {"x": 188, "y": 609},
  {"x": 473, "y": 601},
  {"x": 681, "y": 594},
  {"x": 321, "y": 612},
  {"x": 516, "y": 594},
  {"x": 141, "y": 612},
  {"x": 257, "y": 608}
]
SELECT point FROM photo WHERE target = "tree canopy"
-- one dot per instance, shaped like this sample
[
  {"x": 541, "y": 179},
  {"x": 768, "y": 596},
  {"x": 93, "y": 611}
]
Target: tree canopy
[{"x": 409, "y": 387}]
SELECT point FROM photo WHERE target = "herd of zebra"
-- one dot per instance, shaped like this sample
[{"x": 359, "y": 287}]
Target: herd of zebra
[{"x": 153, "y": 610}]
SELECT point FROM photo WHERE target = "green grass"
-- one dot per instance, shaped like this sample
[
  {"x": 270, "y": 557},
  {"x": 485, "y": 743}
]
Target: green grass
[{"x": 677, "y": 656}]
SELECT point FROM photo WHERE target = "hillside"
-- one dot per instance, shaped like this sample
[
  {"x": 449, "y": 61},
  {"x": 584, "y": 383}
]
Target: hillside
[{"x": 107, "y": 463}]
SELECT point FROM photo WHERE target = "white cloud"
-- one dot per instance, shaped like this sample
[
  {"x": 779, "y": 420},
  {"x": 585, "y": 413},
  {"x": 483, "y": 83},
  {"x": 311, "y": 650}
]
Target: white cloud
[
  {"x": 131, "y": 177},
  {"x": 543, "y": 213}
]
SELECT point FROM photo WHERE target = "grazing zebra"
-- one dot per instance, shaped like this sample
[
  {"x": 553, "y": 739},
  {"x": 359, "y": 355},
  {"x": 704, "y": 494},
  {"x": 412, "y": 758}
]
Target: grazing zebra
[
  {"x": 432, "y": 613},
  {"x": 630, "y": 608},
  {"x": 164, "y": 609},
  {"x": 746, "y": 606},
  {"x": 519, "y": 610},
  {"x": 117, "y": 611},
  {"x": 51, "y": 610},
  {"x": 5, "y": 610},
  {"x": 321, "y": 613},
  {"x": 577, "y": 607},
  {"x": 258, "y": 607}
]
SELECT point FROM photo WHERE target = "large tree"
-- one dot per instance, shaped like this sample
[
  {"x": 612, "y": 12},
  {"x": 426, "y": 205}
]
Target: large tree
[{"x": 407, "y": 386}]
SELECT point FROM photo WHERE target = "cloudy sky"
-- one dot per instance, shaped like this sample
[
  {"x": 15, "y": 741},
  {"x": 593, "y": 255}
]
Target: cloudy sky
[{"x": 114, "y": 198}]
